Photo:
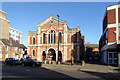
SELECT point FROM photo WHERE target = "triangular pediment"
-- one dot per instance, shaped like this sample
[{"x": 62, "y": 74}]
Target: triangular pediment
[{"x": 51, "y": 21}]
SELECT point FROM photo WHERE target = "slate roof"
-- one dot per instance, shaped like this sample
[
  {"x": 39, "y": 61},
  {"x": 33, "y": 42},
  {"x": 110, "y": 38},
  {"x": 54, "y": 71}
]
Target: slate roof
[{"x": 14, "y": 43}]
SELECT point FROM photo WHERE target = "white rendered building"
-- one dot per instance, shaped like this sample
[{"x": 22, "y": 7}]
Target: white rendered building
[{"x": 15, "y": 34}]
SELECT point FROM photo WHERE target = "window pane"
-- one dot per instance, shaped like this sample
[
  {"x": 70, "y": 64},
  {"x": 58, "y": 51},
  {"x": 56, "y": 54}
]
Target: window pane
[
  {"x": 72, "y": 39},
  {"x": 60, "y": 37},
  {"x": 49, "y": 38},
  {"x": 115, "y": 55},
  {"x": 116, "y": 61},
  {"x": 33, "y": 40},
  {"x": 44, "y": 38},
  {"x": 110, "y": 60},
  {"x": 54, "y": 38},
  {"x": 110, "y": 55},
  {"x": 33, "y": 52}
]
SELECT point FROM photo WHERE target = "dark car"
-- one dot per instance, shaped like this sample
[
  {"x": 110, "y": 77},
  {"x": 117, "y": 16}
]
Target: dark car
[
  {"x": 11, "y": 61},
  {"x": 31, "y": 62},
  {"x": 21, "y": 61}
]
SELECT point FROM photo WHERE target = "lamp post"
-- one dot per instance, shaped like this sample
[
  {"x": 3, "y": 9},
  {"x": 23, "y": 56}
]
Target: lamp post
[{"x": 58, "y": 40}]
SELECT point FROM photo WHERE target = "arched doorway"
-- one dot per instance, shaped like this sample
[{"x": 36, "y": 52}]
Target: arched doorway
[
  {"x": 43, "y": 56},
  {"x": 52, "y": 53},
  {"x": 60, "y": 56}
]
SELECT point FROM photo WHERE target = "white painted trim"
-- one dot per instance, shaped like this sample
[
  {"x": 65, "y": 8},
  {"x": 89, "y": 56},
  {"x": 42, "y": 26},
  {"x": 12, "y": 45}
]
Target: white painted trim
[
  {"x": 4, "y": 19},
  {"x": 108, "y": 45},
  {"x": 63, "y": 44},
  {"x": 15, "y": 30},
  {"x": 2, "y": 43},
  {"x": 111, "y": 43},
  {"x": 38, "y": 41},
  {"x": 111, "y": 25},
  {"x": 51, "y": 48},
  {"x": 32, "y": 45},
  {"x": 112, "y": 7},
  {"x": 117, "y": 23},
  {"x": 3, "y": 12},
  {"x": 28, "y": 40}
]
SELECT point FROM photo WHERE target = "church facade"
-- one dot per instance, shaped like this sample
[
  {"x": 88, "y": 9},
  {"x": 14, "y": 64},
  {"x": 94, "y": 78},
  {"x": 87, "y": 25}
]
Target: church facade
[{"x": 43, "y": 44}]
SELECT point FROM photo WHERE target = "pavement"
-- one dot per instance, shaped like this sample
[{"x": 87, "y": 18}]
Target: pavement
[
  {"x": 62, "y": 72},
  {"x": 87, "y": 67}
]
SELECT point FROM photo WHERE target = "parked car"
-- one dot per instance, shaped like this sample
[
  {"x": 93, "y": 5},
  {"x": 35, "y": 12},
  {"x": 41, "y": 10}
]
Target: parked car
[
  {"x": 31, "y": 62},
  {"x": 21, "y": 61},
  {"x": 11, "y": 61}
]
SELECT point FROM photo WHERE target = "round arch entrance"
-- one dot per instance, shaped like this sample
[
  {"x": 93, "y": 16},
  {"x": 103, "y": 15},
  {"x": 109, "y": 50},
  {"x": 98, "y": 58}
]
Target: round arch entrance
[{"x": 52, "y": 53}]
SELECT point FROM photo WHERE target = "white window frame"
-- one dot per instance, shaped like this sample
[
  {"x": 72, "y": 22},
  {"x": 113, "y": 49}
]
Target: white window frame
[
  {"x": 0, "y": 55},
  {"x": 112, "y": 58},
  {"x": 0, "y": 47}
]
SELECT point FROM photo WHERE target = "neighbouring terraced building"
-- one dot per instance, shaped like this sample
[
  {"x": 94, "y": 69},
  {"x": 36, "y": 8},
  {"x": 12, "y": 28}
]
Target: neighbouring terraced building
[{"x": 9, "y": 46}]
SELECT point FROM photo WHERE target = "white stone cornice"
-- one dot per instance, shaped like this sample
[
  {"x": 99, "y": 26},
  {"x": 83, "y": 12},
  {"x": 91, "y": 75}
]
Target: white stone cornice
[
  {"x": 4, "y": 19},
  {"x": 3, "y": 12},
  {"x": 65, "y": 44},
  {"x": 112, "y": 7}
]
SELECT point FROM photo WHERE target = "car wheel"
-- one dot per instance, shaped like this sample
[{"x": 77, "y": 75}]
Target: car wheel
[
  {"x": 5, "y": 63},
  {"x": 23, "y": 64},
  {"x": 13, "y": 63},
  {"x": 33, "y": 65}
]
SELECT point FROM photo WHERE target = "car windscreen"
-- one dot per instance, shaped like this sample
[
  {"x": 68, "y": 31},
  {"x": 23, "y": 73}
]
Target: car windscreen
[
  {"x": 9, "y": 59},
  {"x": 15, "y": 59}
]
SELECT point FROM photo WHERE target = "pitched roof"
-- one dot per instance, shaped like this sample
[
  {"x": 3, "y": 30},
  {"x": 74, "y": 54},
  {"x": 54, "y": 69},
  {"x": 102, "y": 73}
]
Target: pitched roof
[
  {"x": 51, "y": 21},
  {"x": 92, "y": 45},
  {"x": 5, "y": 41},
  {"x": 14, "y": 43}
]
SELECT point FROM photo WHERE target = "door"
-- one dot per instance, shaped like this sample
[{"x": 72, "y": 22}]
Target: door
[{"x": 112, "y": 58}]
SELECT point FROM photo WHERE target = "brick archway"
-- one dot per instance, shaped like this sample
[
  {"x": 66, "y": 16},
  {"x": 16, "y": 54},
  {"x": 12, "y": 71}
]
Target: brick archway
[{"x": 52, "y": 54}]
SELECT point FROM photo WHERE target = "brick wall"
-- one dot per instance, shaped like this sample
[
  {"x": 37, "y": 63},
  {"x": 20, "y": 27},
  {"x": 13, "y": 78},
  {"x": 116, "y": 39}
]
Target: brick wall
[
  {"x": 111, "y": 35},
  {"x": 111, "y": 16}
]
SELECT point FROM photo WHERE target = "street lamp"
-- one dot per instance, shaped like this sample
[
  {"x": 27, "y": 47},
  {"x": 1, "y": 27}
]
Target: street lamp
[{"x": 58, "y": 40}]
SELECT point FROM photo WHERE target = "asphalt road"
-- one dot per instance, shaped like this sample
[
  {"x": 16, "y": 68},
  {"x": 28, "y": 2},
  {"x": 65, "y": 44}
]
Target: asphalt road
[{"x": 20, "y": 72}]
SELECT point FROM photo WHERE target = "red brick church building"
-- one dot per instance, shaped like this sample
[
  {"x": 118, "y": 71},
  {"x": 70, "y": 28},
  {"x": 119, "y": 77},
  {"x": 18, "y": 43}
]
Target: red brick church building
[{"x": 43, "y": 43}]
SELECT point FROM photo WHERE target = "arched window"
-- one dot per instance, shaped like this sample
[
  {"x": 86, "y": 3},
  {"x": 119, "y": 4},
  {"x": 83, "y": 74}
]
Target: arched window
[
  {"x": 60, "y": 37},
  {"x": 33, "y": 40},
  {"x": 44, "y": 38},
  {"x": 72, "y": 39},
  {"x": 33, "y": 52},
  {"x": 51, "y": 36}
]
